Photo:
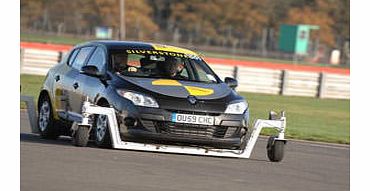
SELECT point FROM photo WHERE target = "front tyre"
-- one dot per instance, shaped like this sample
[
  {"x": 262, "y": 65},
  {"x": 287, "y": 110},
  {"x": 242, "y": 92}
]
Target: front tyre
[
  {"x": 244, "y": 142},
  {"x": 46, "y": 123},
  {"x": 102, "y": 134}
]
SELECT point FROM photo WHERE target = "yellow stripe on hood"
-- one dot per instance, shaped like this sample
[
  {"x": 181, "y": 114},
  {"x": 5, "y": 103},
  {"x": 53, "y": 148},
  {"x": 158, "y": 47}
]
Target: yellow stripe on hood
[
  {"x": 192, "y": 90},
  {"x": 197, "y": 91},
  {"x": 173, "y": 49},
  {"x": 166, "y": 83}
]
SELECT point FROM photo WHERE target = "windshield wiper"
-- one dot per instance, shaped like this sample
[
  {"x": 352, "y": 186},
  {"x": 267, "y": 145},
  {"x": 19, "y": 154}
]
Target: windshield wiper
[
  {"x": 197, "y": 81},
  {"x": 162, "y": 77}
]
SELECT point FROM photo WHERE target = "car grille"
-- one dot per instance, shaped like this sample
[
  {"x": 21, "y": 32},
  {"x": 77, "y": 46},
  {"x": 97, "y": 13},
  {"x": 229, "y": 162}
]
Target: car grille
[
  {"x": 193, "y": 112},
  {"x": 190, "y": 130}
]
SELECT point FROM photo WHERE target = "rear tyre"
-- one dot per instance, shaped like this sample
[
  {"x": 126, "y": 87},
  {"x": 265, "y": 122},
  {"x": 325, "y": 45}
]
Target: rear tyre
[
  {"x": 81, "y": 136},
  {"x": 46, "y": 123},
  {"x": 275, "y": 149}
]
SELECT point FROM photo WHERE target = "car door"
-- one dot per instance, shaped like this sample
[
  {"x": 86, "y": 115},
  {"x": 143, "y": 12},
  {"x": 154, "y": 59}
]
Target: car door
[
  {"x": 73, "y": 83},
  {"x": 93, "y": 86},
  {"x": 61, "y": 88}
]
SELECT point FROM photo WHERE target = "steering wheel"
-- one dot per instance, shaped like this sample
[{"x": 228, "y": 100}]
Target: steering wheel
[{"x": 125, "y": 69}]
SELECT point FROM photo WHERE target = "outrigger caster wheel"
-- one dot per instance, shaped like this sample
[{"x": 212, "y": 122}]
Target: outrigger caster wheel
[
  {"x": 81, "y": 136},
  {"x": 275, "y": 149}
]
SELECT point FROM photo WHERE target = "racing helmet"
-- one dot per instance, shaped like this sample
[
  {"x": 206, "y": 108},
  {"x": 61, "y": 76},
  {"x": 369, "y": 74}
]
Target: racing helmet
[
  {"x": 120, "y": 62},
  {"x": 170, "y": 67}
]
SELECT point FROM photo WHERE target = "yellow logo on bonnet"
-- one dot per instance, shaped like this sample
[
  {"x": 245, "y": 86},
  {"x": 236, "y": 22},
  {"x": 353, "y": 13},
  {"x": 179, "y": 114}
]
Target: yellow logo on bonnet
[
  {"x": 166, "y": 83},
  {"x": 195, "y": 91}
]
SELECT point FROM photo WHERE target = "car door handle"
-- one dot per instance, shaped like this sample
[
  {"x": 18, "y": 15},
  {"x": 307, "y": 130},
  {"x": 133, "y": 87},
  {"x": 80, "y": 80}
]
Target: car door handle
[
  {"x": 75, "y": 85},
  {"x": 57, "y": 78}
]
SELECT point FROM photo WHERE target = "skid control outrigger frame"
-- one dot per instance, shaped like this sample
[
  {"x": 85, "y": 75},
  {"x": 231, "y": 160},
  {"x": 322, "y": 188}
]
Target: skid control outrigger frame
[{"x": 90, "y": 109}]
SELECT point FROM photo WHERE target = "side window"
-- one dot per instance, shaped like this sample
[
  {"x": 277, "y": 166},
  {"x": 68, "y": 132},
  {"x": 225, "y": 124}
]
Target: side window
[
  {"x": 98, "y": 59},
  {"x": 73, "y": 56},
  {"x": 185, "y": 74},
  {"x": 203, "y": 73},
  {"x": 81, "y": 57}
]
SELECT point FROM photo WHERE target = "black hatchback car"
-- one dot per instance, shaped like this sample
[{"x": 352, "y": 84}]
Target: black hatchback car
[{"x": 160, "y": 94}]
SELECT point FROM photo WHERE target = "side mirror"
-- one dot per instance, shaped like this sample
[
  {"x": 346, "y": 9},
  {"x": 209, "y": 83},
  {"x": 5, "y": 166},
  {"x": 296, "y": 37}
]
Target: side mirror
[
  {"x": 231, "y": 82},
  {"x": 273, "y": 115},
  {"x": 90, "y": 70}
]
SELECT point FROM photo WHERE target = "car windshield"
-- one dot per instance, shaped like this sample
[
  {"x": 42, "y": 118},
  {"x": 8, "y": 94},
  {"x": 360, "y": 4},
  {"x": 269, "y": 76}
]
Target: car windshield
[{"x": 161, "y": 64}]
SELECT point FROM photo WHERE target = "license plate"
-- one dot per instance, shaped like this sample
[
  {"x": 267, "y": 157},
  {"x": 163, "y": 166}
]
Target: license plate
[{"x": 193, "y": 119}]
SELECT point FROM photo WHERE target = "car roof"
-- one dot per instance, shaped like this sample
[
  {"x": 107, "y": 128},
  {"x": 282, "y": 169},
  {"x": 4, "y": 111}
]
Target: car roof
[{"x": 114, "y": 44}]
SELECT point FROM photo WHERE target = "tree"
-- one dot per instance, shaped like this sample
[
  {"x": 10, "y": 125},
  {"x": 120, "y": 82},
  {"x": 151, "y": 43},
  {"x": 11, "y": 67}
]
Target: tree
[
  {"x": 233, "y": 23},
  {"x": 319, "y": 13},
  {"x": 138, "y": 17},
  {"x": 31, "y": 12},
  {"x": 219, "y": 21}
]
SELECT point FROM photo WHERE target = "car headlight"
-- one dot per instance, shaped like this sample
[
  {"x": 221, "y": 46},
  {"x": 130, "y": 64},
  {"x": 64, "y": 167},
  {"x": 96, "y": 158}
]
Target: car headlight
[
  {"x": 236, "y": 108},
  {"x": 138, "y": 99}
]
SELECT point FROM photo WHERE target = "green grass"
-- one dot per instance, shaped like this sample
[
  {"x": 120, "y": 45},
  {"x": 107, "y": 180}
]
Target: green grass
[
  {"x": 52, "y": 39},
  {"x": 325, "y": 120},
  {"x": 30, "y": 86}
]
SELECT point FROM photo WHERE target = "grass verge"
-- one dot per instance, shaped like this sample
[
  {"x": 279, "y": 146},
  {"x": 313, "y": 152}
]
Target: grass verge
[
  {"x": 30, "y": 86},
  {"x": 325, "y": 120},
  {"x": 53, "y": 39}
]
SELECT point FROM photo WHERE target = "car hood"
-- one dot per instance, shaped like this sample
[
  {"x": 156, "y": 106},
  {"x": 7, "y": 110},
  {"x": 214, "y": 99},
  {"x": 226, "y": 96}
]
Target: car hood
[{"x": 180, "y": 88}]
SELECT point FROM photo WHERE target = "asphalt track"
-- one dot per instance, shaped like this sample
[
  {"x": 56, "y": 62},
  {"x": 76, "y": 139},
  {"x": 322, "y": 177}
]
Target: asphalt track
[{"x": 58, "y": 165}]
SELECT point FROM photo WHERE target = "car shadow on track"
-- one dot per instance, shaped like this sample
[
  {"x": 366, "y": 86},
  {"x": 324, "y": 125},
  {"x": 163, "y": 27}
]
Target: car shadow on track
[
  {"x": 34, "y": 138},
  {"x": 62, "y": 140},
  {"x": 67, "y": 141}
]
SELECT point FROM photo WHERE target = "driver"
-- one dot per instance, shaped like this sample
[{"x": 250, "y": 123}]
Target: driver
[
  {"x": 120, "y": 62},
  {"x": 171, "y": 67},
  {"x": 121, "y": 65}
]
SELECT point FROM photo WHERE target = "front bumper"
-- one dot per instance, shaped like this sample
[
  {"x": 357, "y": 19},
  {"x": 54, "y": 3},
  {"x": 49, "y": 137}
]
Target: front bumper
[{"x": 155, "y": 125}]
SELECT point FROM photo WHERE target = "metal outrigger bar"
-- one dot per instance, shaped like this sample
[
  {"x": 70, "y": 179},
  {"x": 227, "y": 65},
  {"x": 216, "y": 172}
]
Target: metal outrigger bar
[{"x": 89, "y": 109}]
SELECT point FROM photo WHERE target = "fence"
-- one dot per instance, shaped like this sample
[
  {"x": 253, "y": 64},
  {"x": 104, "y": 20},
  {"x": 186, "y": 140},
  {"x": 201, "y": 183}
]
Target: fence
[
  {"x": 285, "y": 82},
  {"x": 38, "y": 62},
  {"x": 259, "y": 80},
  {"x": 251, "y": 79}
]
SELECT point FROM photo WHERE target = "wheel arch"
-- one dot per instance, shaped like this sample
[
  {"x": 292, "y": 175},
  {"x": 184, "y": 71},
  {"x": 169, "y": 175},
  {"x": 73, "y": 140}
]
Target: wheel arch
[
  {"x": 42, "y": 94},
  {"x": 102, "y": 101}
]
